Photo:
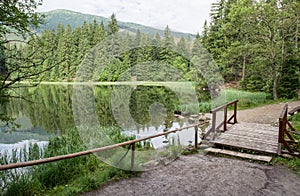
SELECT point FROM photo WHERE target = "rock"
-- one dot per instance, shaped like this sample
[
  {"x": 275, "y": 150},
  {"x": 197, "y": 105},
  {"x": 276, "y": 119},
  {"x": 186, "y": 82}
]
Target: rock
[
  {"x": 178, "y": 112},
  {"x": 194, "y": 116},
  {"x": 287, "y": 156},
  {"x": 178, "y": 116},
  {"x": 276, "y": 124},
  {"x": 185, "y": 113},
  {"x": 165, "y": 141},
  {"x": 208, "y": 116},
  {"x": 204, "y": 146},
  {"x": 192, "y": 120},
  {"x": 149, "y": 164},
  {"x": 202, "y": 117}
]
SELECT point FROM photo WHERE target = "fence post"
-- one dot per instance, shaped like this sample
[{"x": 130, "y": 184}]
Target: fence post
[
  {"x": 235, "y": 113},
  {"x": 213, "y": 122},
  {"x": 132, "y": 156},
  {"x": 196, "y": 137},
  {"x": 225, "y": 119}
]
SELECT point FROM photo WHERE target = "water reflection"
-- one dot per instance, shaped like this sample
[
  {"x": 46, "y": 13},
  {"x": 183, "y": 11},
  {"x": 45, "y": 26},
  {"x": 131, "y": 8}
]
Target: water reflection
[{"x": 50, "y": 111}]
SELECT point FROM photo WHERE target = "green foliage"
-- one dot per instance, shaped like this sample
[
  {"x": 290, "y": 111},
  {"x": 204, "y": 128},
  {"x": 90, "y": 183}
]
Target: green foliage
[
  {"x": 112, "y": 25},
  {"x": 256, "y": 42},
  {"x": 296, "y": 121},
  {"x": 17, "y": 17},
  {"x": 289, "y": 82},
  {"x": 62, "y": 177},
  {"x": 246, "y": 99}
]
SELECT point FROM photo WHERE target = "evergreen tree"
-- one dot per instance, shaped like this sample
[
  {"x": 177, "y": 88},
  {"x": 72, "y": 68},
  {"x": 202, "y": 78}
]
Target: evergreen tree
[
  {"x": 156, "y": 48},
  {"x": 168, "y": 47},
  {"x": 99, "y": 33},
  {"x": 197, "y": 46},
  {"x": 112, "y": 25},
  {"x": 182, "y": 48}
]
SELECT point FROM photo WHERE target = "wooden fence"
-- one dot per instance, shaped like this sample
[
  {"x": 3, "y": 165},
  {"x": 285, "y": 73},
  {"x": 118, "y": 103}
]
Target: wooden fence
[
  {"x": 131, "y": 144},
  {"x": 231, "y": 120},
  {"x": 284, "y": 133}
]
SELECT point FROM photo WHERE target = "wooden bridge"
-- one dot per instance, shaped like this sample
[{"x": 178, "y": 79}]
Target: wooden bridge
[{"x": 260, "y": 138}]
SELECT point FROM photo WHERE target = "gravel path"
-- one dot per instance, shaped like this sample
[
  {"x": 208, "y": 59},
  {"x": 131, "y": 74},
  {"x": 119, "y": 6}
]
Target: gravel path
[
  {"x": 268, "y": 114},
  {"x": 207, "y": 175}
]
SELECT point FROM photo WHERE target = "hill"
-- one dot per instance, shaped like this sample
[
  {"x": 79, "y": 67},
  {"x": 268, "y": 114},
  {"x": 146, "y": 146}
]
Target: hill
[{"x": 75, "y": 19}]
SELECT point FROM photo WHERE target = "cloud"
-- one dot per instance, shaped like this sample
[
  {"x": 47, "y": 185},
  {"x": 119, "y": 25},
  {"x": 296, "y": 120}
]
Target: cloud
[{"x": 180, "y": 15}]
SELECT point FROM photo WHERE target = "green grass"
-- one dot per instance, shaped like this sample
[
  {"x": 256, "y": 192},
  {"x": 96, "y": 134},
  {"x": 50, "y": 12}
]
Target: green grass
[
  {"x": 71, "y": 176},
  {"x": 81, "y": 174},
  {"x": 246, "y": 99}
]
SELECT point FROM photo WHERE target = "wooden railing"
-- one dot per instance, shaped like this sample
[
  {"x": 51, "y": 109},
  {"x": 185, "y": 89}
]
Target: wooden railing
[
  {"x": 284, "y": 133},
  {"x": 131, "y": 144},
  {"x": 231, "y": 120}
]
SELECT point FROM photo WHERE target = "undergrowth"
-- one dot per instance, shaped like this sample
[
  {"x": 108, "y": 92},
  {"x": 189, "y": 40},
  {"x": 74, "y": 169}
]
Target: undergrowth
[
  {"x": 71, "y": 176},
  {"x": 246, "y": 99}
]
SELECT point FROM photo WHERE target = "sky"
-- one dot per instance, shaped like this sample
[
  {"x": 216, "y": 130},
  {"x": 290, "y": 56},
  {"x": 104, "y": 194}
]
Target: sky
[{"x": 181, "y": 15}]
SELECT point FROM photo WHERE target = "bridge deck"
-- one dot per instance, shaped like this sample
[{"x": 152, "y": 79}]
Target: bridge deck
[{"x": 250, "y": 136}]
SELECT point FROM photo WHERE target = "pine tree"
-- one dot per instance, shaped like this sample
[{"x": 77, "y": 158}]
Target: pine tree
[
  {"x": 168, "y": 47},
  {"x": 156, "y": 48},
  {"x": 99, "y": 33},
  {"x": 197, "y": 46},
  {"x": 84, "y": 42},
  {"x": 112, "y": 25},
  {"x": 182, "y": 48}
]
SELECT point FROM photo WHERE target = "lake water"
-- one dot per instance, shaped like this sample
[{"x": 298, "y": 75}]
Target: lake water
[{"x": 139, "y": 110}]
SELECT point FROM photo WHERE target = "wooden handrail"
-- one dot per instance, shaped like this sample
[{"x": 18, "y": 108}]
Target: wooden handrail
[
  {"x": 283, "y": 131},
  {"x": 226, "y": 120},
  {"x": 223, "y": 106},
  {"x": 87, "y": 152}
]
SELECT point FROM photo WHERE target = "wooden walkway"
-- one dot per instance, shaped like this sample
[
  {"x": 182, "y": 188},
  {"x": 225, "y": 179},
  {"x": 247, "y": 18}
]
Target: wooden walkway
[{"x": 250, "y": 136}]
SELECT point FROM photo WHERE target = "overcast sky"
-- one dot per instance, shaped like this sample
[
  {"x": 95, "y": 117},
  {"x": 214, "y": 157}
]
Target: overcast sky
[{"x": 181, "y": 15}]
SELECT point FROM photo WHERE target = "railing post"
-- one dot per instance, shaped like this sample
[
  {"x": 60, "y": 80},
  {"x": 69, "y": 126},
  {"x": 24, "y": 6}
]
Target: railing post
[
  {"x": 213, "y": 122},
  {"x": 225, "y": 119},
  {"x": 196, "y": 137},
  {"x": 132, "y": 156},
  {"x": 235, "y": 113}
]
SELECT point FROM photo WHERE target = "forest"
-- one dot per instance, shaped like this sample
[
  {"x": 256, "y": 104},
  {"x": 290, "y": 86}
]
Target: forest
[{"x": 252, "y": 43}]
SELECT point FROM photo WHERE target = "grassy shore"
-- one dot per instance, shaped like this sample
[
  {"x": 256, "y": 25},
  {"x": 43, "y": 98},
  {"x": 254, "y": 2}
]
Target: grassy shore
[{"x": 64, "y": 177}]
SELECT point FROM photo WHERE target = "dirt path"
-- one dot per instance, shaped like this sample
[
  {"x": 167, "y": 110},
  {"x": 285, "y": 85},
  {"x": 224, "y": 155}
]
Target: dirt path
[
  {"x": 207, "y": 175},
  {"x": 268, "y": 114}
]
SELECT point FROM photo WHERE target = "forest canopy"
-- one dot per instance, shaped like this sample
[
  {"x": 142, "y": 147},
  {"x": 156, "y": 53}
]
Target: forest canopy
[{"x": 254, "y": 43}]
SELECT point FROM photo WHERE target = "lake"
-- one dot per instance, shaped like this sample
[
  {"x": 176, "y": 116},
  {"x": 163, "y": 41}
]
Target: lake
[{"x": 138, "y": 109}]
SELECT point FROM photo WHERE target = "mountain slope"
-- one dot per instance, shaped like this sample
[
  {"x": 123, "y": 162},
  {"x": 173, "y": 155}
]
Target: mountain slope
[{"x": 75, "y": 19}]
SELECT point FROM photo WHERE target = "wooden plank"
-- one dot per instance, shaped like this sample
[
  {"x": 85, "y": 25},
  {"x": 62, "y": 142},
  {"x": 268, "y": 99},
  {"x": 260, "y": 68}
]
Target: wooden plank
[
  {"x": 245, "y": 137},
  {"x": 245, "y": 143},
  {"x": 243, "y": 132},
  {"x": 240, "y": 155},
  {"x": 248, "y": 146},
  {"x": 251, "y": 136},
  {"x": 256, "y": 125},
  {"x": 257, "y": 134},
  {"x": 296, "y": 109},
  {"x": 254, "y": 130},
  {"x": 241, "y": 138}
]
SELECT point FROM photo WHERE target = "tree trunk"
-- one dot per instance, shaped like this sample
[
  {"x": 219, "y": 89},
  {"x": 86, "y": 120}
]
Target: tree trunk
[
  {"x": 297, "y": 29},
  {"x": 275, "y": 83},
  {"x": 244, "y": 68}
]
